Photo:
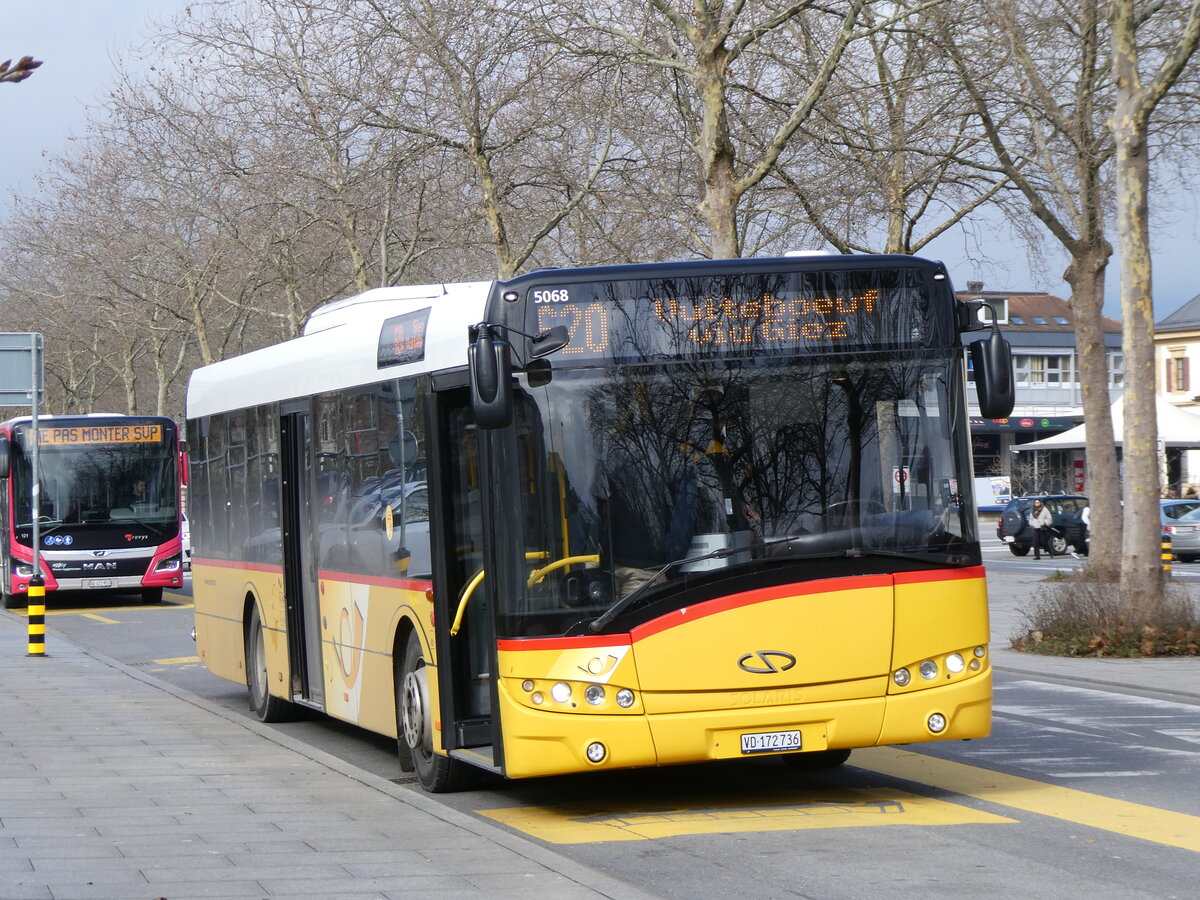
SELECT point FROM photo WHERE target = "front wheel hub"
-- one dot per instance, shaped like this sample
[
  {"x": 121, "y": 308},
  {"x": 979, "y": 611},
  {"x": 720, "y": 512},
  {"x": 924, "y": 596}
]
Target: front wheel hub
[{"x": 417, "y": 716}]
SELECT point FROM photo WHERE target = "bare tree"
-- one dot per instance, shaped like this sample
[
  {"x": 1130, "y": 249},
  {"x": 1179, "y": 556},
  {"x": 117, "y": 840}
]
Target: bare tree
[
  {"x": 709, "y": 50},
  {"x": 1043, "y": 94},
  {"x": 900, "y": 155},
  {"x": 525, "y": 123},
  {"x": 1139, "y": 34}
]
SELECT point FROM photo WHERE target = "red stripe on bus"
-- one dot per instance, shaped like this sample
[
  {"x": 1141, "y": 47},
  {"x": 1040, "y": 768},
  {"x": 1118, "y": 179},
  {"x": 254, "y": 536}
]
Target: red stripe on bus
[
  {"x": 376, "y": 580},
  {"x": 581, "y": 642},
  {"x": 932, "y": 575},
  {"x": 234, "y": 564},
  {"x": 763, "y": 595}
]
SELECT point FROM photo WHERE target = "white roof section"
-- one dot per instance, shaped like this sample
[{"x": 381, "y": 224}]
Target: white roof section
[
  {"x": 339, "y": 348},
  {"x": 1176, "y": 427}
]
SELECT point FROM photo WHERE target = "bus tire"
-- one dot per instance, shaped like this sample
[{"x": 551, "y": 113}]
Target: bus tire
[
  {"x": 267, "y": 707},
  {"x": 816, "y": 760},
  {"x": 437, "y": 774},
  {"x": 15, "y": 601},
  {"x": 152, "y": 595},
  {"x": 403, "y": 752}
]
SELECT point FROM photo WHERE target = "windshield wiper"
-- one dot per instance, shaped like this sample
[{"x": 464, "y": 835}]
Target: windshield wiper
[
  {"x": 948, "y": 559},
  {"x": 628, "y": 600},
  {"x": 156, "y": 530}
]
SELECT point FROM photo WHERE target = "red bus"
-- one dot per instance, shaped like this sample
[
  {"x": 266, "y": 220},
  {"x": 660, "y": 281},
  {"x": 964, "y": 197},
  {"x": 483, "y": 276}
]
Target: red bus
[{"x": 108, "y": 508}]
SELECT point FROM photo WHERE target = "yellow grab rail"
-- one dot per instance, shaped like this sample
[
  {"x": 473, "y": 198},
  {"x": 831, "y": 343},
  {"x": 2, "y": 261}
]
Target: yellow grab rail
[
  {"x": 534, "y": 577},
  {"x": 538, "y": 574}
]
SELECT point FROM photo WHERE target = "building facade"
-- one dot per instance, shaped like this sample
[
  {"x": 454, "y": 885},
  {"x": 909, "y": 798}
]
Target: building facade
[
  {"x": 1040, "y": 328},
  {"x": 1177, "y": 356}
]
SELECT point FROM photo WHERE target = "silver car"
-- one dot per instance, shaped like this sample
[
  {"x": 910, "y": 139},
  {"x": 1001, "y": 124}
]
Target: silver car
[{"x": 1181, "y": 523}]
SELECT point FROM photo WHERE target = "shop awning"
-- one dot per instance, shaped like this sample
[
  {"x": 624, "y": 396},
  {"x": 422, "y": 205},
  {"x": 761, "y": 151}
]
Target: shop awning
[{"x": 1176, "y": 427}]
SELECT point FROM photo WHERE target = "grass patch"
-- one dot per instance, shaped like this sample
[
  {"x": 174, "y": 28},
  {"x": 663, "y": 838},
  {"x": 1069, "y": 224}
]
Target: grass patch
[{"x": 1078, "y": 616}]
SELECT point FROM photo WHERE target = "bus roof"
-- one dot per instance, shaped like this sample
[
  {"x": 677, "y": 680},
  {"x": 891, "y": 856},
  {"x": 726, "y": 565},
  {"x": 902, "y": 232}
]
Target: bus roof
[{"x": 339, "y": 348}]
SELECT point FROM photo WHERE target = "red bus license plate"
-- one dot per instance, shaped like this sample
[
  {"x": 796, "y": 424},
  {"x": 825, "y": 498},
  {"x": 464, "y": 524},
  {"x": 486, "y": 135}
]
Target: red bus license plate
[{"x": 770, "y": 741}]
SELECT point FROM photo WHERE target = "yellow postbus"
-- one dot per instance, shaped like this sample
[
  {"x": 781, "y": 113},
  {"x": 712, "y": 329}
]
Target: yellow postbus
[{"x": 609, "y": 517}]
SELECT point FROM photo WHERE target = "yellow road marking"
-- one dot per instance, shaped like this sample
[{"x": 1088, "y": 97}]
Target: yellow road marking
[
  {"x": 100, "y": 618},
  {"x": 629, "y": 820},
  {"x": 179, "y": 660},
  {"x": 1161, "y": 826},
  {"x": 90, "y": 611}
]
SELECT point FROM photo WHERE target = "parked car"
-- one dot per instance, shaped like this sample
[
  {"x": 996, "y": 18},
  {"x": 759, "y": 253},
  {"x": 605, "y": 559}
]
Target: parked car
[
  {"x": 1171, "y": 510},
  {"x": 1181, "y": 523},
  {"x": 1068, "y": 529}
]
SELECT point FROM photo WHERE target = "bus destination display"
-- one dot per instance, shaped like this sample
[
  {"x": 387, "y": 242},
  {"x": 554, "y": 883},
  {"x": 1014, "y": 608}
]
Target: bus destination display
[
  {"x": 640, "y": 320},
  {"x": 59, "y": 435},
  {"x": 402, "y": 339}
]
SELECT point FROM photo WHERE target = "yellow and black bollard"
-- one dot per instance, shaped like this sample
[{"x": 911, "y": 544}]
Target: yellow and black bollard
[
  {"x": 1167, "y": 555},
  {"x": 37, "y": 616}
]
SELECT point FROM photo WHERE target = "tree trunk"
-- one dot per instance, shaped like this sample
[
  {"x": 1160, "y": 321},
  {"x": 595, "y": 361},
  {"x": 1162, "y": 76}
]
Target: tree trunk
[
  {"x": 1141, "y": 567},
  {"x": 1086, "y": 277},
  {"x": 714, "y": 147}
]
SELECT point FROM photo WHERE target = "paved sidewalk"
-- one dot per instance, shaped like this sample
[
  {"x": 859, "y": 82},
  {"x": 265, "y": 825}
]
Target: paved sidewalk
[
  {"x": 115, "y": 785},
  {"x": 1009, "y": 594}
]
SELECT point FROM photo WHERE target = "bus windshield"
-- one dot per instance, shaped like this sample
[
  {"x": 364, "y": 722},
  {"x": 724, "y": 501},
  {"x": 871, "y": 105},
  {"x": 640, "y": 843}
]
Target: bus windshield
[
  {"x": 685, "y": 472},
  {"x": 97, "y": 484}
]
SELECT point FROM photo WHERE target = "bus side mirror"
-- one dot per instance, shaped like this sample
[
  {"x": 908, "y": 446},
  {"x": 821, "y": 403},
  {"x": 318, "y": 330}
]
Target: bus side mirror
[
  {"x": 549, "y": 342},
  {"x": 4, "y": 457},
  {"x": 489, "y": 363},
  {"x": 991, "y": 361}
]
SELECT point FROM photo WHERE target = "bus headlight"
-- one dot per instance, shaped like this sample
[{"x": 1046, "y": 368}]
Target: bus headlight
[
  {"x": 928, "y": 670},
  {"x": 955, "y": 663},
  {"x": 561, "y": 692},
  {"x": 24, "y": 571},
  {"x": 594, "y": 694},
  {"x": 170, "y": 564},
  {"x": 624, "y": 698},
  {"x": 937, "y": 723},
  {"x": 901, "y": 677},
  {"x": 596, "y": 752}
]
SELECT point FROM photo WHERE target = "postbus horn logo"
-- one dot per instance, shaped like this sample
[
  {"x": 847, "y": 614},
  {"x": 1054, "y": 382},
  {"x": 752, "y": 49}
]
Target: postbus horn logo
[{"x": 766, "y": 662}]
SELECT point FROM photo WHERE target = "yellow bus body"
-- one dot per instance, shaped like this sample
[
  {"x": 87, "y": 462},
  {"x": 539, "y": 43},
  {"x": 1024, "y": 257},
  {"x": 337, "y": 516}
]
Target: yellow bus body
[{"x": 817, "y": 657}]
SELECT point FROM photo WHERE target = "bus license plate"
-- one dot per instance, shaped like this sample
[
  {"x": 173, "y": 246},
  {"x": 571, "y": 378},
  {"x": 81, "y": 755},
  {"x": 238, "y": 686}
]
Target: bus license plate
[
  {"x": 1010, "y": 539},
  {"x": 100, "y": 583},
  {"x": 770, "y": 741}
]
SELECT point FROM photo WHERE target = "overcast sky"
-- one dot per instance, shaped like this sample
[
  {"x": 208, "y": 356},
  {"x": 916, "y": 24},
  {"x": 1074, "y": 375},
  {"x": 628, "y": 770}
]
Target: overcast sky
[{"x": 77, "y": 40}]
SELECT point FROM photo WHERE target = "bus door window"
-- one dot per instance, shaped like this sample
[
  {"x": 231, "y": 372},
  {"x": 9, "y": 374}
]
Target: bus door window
[{"x": 465, "y": 558}]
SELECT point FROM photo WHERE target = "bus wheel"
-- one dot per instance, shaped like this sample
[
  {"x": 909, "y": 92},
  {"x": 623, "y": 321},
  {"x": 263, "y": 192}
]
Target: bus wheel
[
  {"x": 437, "y": 773},
  {"x": 15, "y": 601},
  {"x": 265, "y": 706},
  {"x": 152, "y": 595},
  {"x": 818, "y": 759},
  {"x": 403, "y": 751}
]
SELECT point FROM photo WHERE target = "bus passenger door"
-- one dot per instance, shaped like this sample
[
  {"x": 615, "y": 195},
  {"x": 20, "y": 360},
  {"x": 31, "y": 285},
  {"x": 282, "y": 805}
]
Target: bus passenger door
[
  {"x": 467, "y": 659},
  {"x": 299, "y": 552}
]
